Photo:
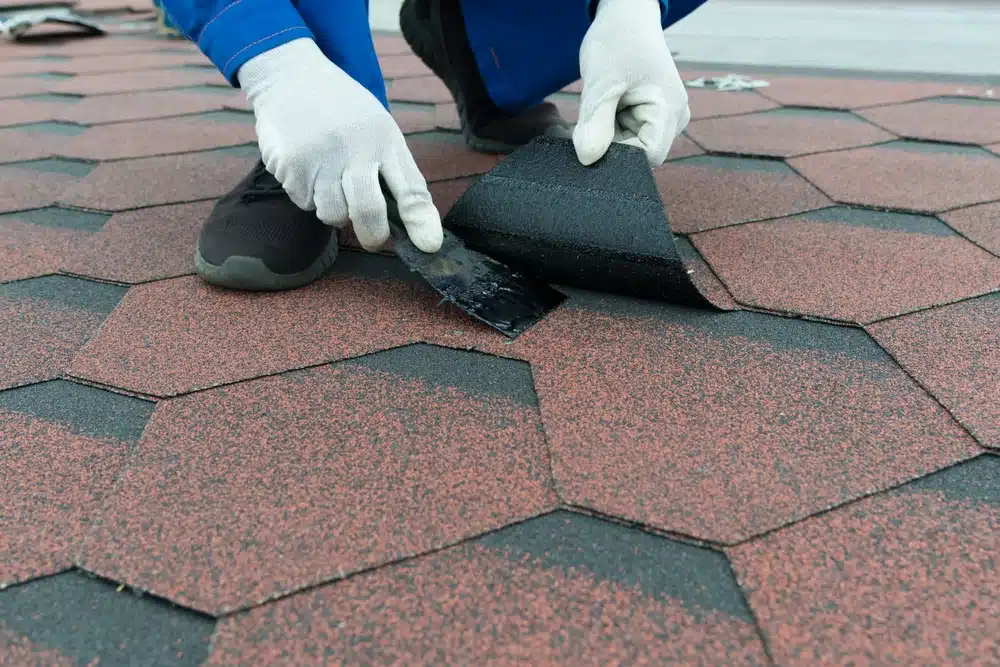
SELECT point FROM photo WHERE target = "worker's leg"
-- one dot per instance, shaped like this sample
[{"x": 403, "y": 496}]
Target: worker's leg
[
  {"x": 435, "y": 29},
  {"x": 529, "y": 49},
  {"x": 342, "y": 33}
]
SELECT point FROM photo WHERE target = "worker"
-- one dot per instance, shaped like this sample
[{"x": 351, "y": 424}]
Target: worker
[{"x": 327, "y": 138}]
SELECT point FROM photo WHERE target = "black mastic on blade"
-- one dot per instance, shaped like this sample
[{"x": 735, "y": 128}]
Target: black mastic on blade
[
  {"x": 600, "y": 227},
  {"x": 492, "y": 293}
]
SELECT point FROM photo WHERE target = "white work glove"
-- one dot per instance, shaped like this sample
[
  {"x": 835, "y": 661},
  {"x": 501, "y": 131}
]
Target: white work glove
[
  {"x": 327, "y": 139},
  {"x": 632, "y": 92}
]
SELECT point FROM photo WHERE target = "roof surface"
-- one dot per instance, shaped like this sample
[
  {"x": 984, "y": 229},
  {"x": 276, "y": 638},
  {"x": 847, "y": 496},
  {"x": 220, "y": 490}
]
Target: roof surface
[{"x": 352, "y": 473}]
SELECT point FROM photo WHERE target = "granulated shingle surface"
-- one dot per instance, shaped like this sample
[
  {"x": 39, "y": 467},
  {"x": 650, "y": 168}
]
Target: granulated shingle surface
[
  {"x": 64, "y": 446},
  {"x": 125, "y": 62},
  {"x": 247, "y": 492},
  {"x": 427, "y": 89},
  {"x": 119, "y": 186},
  {"x": 705, "y": 192},
  {"x": 444, "y": 156},
  {"x": 703, "y": 277},
  {"x": 849, "y": 264},
  {"x": 957, "y": 120},
  {"x": 253, "y": 482},
  {"x": 903, "y": 578},
  {"x": 792, "y": 417},
  {"x": 557, "y": 590},
  {"x": 29, "y": 110},
  {"x": 402, "y": 66},
  {"x": 786, "y": 132},
  {"x": 24, "y": 188},
  {"x": 24, "y": 85},
  {"x": 36, "y": 242},
  {"x": 979, "y": 224},
  {"x": 75, "y": 619},
  {"x": 412, "y": 118},
  {"x": 46, "y": 320},
  {"x": 126, "y": 82},
  {"x": 142, "y": 106},
  {"x": 138, "y": 246},
  {"x": 843, "y": 93},
  {"x": 30, "y": 142},
  {"x": 955, "y": 353},
  {"x": 713, "y": 103},
  {"x": 164, "y": 338},
  {"x": 906, "y": 176},
  {"x": 390, "y": 45},
  {"x": 160, "y": 137}
]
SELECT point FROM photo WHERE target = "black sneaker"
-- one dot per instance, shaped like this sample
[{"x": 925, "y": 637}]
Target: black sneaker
[
  {"x": 256, "y": 238},
  {"x": 435, "y": 30}
]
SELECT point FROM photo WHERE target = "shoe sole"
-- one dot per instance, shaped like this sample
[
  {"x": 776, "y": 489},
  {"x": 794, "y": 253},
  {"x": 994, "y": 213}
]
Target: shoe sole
[{"x": 250, "y": 274}]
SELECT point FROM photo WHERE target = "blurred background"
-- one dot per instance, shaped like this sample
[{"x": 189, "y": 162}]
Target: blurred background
[{"x": 959, "y": 37}]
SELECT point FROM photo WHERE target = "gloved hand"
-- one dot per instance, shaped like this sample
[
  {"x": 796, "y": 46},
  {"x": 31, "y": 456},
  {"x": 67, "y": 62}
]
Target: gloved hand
[
  {"x": 632, "y": 92},
  {"x": 326, "y": 139}
]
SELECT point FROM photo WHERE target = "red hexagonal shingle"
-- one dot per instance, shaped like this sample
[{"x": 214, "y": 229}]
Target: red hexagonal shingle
[
  {"x": 30, "y": 110},
  {"x": 174, "y": 336},
  {"x": 19, "y": 650},
  {"x": 159, "y": 137},
  {"x": 31, "y": 142},
  {"x": 443, "y": 156},
  {"x": 705, "y": 192},
  {"x": 723, "y": 426},
  {"x": 426, "y": 89},
  {"x": 22, "y": 188},
  {"x": 683, "y": 147},
  {"x": 415, "y": 117},
  {"x": 24, "y": 85},
  {"x": 142, "y": 106},
  {"x": 713, "y": 103},
  {"x": 956, "y": 120},
  {"x": 46, "y": 320},
  {"x": 558, "y": 590},
  {"x": 36, "y": 243},
  {"x": 904, "y": 578},
  {"x": 138, "y": 246},
  {"x": 69, "y": 444},
  {"x": 250, "y": 491},
  {"x": 785, "y": 132},
  {"x": 954, "y": 352},
  {"x": 172, "y": 179},
  {"x": 905, "y": 176},
  {"x": 844, "y": 93},
  {"x": 848, "y": 264},
  {"x": 133, "y": 82},
  {"x": 390, "y": 45},
  {"x": 980, "y": 224},
  {"x": 125, "y": 62},
  {"x": 403, "y": 66}
]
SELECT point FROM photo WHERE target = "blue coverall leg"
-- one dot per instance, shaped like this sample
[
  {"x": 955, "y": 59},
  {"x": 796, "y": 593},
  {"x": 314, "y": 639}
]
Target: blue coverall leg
[
  {"x": 525, "y": 49},
  {"x": 528, "y": 49}
]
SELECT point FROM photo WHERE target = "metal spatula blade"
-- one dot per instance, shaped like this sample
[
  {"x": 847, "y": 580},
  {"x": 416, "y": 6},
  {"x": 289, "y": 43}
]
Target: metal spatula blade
[{"x": 491, "y": 292}]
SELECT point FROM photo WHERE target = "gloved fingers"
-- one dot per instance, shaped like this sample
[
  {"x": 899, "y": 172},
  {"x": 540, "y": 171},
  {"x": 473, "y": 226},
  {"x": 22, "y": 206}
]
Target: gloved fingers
[
  {"x": 595, "y": 129},
  {"x": 295, "y": 180},
  {"x": 416, "y": 208},
  {"x": 646, "y": 115},
  {"x": 331, "y": 202},
  {"x": 366, "y": 205}
]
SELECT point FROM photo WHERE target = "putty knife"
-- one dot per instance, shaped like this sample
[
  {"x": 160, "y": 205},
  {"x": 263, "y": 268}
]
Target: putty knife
[{"x": 485, "y": 289}]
